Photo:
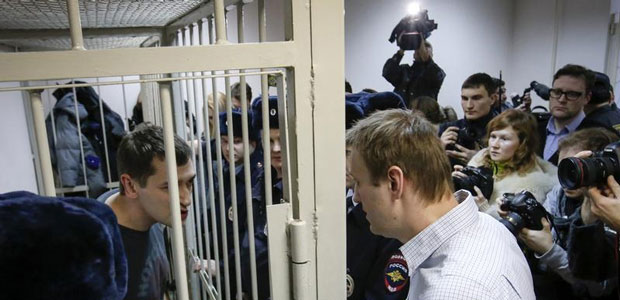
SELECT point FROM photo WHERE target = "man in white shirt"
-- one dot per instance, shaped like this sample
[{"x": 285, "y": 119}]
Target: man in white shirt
[{"x": 451, "y": 251}]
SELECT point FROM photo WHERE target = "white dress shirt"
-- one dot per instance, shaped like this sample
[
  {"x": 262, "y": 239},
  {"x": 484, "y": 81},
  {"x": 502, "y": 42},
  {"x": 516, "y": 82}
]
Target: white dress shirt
[{"x": 466, "y": 254}]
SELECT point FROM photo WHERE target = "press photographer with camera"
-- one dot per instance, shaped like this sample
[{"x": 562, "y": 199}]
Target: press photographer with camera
[
  {"x": 592, "y": 245},
  {"x": 553, "y": 279},
  {"x": 463, "y": 138},
  {"x": 512, "y": 158},
  {"x": 422, "y": 78}
]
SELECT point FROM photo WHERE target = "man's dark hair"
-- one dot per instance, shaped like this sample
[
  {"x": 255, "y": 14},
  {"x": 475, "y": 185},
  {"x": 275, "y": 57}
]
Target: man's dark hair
[
  {"x": 480, "y": 79},
  {"x": 235, "y": 90},
  {"x": 576, "y": 71},
  {"x": 138, "y": 148},
  {"x": 347, "y": 87}
]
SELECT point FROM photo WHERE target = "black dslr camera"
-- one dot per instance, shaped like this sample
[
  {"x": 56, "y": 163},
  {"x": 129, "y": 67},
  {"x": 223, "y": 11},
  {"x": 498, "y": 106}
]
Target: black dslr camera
[
  {"x": 576, "y": 172},
  {"x": 480, "y": 177},
  {"x": 408, "y": 31},
  {"x": 523, "y": 212},
  {"x": 540, "y": 89},
  {"x": 466, "y": 138}
]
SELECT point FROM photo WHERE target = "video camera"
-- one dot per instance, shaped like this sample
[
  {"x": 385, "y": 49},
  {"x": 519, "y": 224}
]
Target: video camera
[
  {"x": 480, "y": 177},
  {"x": 541, "y": 90},
  {"x": 523, "y": 212},
  {"x": 576, "y": 172},
  {"x": 408, "y": 31}
]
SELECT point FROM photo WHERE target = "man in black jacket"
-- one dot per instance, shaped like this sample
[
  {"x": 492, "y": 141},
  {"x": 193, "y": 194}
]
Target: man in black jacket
[
  {"x": 463, "y": 138},
  {"x": 599, "y": 108},
  {"x": 423, "y": 78}
]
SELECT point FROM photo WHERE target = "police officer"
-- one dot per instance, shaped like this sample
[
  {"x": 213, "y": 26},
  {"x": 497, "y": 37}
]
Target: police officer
[
  {"x": 256, "y": 165},
  {"x": 259, "y": 204},
  {"x": 375, "y": 268}
]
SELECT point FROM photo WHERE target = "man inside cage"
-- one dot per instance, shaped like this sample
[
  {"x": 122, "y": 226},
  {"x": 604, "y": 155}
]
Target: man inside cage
[{"x": 142, "y": 205}]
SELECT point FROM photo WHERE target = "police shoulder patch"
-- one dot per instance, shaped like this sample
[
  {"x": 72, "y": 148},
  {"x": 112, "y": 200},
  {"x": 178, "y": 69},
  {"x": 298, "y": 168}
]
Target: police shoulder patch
[
  {"x": 350, "y": 285},
  {"x": 396, "y": 273}
]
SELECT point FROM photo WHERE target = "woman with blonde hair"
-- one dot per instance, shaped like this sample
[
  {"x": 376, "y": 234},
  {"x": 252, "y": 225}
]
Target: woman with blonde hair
[{"x": 511, "y": 155}]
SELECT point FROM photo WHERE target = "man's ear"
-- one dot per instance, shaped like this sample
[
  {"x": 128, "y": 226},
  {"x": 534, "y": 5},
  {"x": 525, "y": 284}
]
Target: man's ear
[
  {"x": 588, "y": 97},
  {"x": 396, "y": 180},
  {"x": 129, "y": 186}
]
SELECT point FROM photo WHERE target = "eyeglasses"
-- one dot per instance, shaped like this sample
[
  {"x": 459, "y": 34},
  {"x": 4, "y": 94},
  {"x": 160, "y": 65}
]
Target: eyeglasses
[{"x": 570, "y": 95}]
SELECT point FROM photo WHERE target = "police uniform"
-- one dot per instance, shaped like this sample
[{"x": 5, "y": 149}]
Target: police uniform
[
  {"x": 256, "y": 165},
  {"x": 376, "y": 270},
  {"x": 259, "y": 207}
]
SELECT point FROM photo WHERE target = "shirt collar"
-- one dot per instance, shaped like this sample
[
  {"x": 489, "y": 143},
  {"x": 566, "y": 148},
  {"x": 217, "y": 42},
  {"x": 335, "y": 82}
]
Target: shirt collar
[
  {"x": 422, "y": 246},
  {"x": 571, "y": 127}
]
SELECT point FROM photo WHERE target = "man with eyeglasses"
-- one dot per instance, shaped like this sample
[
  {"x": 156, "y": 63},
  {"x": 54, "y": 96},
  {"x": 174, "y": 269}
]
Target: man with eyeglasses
[{"x": 571, "y": 91}]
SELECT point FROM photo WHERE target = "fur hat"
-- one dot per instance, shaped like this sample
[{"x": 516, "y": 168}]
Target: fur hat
[{"x": 59, "y": 248}]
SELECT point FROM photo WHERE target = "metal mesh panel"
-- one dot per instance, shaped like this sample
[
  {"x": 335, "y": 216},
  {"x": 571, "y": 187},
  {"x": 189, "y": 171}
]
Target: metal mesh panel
[
  {"x": 24, "y": 14},
  {"x": 89, "y": 43}
]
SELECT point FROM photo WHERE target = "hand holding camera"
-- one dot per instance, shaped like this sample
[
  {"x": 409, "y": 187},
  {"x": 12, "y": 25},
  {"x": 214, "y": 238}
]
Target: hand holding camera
[
  {"x": 527, "y": 219},
  {"x": 521, "y": 210},
  {"x": 459, "y": 143},
  {"x": 605, "y": 203}
]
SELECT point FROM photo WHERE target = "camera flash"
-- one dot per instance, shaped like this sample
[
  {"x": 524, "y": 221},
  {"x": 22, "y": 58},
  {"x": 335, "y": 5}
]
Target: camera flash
[{"x": 413, "y": 8}]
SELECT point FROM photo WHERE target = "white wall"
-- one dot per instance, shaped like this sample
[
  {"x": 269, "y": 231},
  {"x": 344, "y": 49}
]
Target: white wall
[
  {"x": 581, "y": 39},
  {"x": 16, "y": 159},
  {"x": 515, "y": 36},
  {"x": 472, "y": 36}
]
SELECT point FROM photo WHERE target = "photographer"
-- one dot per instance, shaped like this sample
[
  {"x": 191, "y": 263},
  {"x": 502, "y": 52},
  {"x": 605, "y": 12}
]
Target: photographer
[
  {"x": 423, "y": 78},
  {"x": 553, "y": 279},
  {"x": 463, "y": 138},
  {"x": 512, "y": 158}
]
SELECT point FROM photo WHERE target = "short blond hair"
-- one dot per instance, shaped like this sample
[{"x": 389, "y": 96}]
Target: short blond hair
[{"x": 403, "y": 138}]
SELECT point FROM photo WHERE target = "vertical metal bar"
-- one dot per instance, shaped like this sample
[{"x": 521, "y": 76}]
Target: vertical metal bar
[
  {"x": 233, "y": 186},
  {"x": 105, "y": 134},
  {"x": 207, "y": 133},
  {"x": 126, "y": 120},
  {"x": 42, "y": 144},
  {"x": 79, "y": 133},
  {"x": 198, "y": 193},
  {"x": 220, "y": 21},
  {"x": 49, "y": 95},
  {"x": 173, "y": 188},
  {"x": 218, "y": 154},
  {"x": 262, "y": 37},
  {"x": 189, "y": 84},
  {"x": 285, "y": 143},
  {"x": 75, "y": 25},
  {"x": 247, "y": 168}
]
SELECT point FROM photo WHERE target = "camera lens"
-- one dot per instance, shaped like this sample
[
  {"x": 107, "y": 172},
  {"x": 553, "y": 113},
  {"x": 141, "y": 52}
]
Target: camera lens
[
  {"x": 571, "y": 173},
  {"x": 575, "y": 172},
  {"x": 513, "y": 222}
]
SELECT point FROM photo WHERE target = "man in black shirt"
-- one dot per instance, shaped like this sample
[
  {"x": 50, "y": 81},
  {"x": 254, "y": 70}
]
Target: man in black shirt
[
  {"x": 423, "y": 78},
  {"x": 142, "y": 205}
]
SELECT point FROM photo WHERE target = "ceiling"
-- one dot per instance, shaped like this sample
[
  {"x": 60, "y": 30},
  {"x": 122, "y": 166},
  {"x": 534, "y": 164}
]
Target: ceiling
[{"x": 43, "y": 24}]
